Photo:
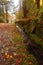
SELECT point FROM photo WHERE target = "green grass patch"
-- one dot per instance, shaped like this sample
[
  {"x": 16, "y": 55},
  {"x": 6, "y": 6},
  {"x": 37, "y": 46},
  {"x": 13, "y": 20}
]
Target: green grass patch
[{"x": 18, "y": 38}]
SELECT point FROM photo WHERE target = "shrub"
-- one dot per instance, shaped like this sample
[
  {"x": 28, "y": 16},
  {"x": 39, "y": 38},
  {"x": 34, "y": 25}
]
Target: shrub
[{"x": 1, "y": 20}]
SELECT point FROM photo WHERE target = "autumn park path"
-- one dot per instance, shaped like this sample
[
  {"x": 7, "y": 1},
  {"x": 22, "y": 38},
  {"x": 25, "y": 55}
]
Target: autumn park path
[{"x": 13, "y": 50}]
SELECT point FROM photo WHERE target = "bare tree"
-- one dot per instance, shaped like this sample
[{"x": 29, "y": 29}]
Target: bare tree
[
  {"x": 8, "y": 4},
  {"x": 38, "y": 3},
  {"x": 25, "y": 11}
]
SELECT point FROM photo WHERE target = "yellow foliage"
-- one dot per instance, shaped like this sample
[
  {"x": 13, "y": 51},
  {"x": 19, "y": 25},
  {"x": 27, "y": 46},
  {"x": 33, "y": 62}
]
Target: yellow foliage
[{"x": 41, "y": 2}]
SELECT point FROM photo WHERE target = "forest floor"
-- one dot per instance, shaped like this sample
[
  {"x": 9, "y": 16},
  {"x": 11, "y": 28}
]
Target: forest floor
[{"x": 13, "y": 50}]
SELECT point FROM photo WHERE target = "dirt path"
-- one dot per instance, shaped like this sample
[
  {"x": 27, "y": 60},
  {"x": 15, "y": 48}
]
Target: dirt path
[{"x": 13, "y": 50}]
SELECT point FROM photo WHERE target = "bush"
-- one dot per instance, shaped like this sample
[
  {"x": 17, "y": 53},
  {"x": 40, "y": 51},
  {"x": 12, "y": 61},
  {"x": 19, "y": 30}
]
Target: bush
[
  {"x": 39, "y": 29},
  {"x": 37, "y": 40},
  {"x": 1, "y": 20},
  {"x": 27, "y": 27}
]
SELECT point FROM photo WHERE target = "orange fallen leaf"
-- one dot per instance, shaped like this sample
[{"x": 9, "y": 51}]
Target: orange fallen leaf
[{"x": 30, "y": 63}]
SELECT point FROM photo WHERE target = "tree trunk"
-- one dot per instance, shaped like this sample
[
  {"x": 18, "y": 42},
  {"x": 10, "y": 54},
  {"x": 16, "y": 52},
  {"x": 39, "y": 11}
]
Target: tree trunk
[
  {"x": 6, "y": 13},
  {"x": 38, "y": 3},
  {"x": 24, "y": 9}
]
